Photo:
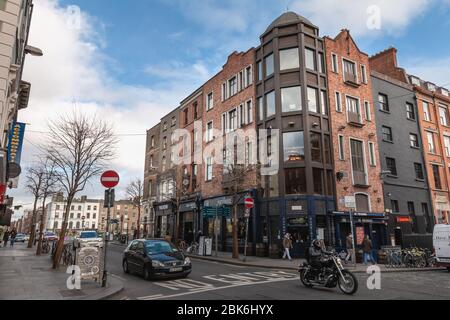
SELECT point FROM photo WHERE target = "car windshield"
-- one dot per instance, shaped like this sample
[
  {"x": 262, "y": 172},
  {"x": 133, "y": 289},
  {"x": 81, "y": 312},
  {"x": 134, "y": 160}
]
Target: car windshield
[
  {"x": 49, "y": 234},
  {"x": 158, "y": 247},
  {"x": 88, "y": 235}
]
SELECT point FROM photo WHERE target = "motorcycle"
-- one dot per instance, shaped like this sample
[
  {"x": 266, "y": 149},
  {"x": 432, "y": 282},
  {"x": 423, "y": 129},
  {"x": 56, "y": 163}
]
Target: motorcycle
[{"x": 331, "y": 275}]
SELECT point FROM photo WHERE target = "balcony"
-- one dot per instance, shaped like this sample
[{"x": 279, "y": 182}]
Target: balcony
[
  {"x": 355, "y": 119},
  {"x": 351, "y": 79},
  {"x": 360, "y": 179}
]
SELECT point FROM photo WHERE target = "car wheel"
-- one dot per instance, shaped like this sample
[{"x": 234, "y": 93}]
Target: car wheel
[
  {"x": 125, "y": 266},
  {"x": 147, "y": 274}
]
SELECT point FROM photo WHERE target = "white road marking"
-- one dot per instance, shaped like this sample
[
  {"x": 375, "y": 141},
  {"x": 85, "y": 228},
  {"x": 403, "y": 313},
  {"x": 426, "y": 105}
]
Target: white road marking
[
  {"x": 222, "y": 264},
  {"x": 184, "y": 284},
  {"x": 116, "y": 276},
  {"x": 158, "y": 297}
]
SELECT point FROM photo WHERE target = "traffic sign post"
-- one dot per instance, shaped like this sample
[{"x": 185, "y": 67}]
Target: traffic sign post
[
  {"x": 249, "y": 205},
  {"x": 350, "y": 202},
  {"x": 109, "y": 180}
]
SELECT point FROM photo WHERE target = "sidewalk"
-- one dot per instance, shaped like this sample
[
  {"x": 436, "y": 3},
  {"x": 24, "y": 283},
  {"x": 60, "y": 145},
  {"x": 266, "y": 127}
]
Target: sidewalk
[
  {"x": 225, "y": 257},
  {"x": 24, "y": 276}
]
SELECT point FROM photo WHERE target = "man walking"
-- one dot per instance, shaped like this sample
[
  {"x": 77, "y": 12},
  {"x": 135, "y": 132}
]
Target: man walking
[
  {"x": 367, "y": 249},
  {"x": 350, "y": 249},
  {"x": 287, "y": 244},
  {"x": 5, "y": 238},
  {"x": 13, "y": 237}
]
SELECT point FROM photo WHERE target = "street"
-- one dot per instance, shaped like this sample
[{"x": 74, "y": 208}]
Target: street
[{"x": 218, "y": 281}]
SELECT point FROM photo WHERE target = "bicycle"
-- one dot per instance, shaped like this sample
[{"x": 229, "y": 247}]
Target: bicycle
[{"x": 193, "y": 249}]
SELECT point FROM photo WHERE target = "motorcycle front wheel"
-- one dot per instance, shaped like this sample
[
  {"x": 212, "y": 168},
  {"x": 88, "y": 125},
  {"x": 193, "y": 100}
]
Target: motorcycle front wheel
[
  {"x": 348, "y": 285},
  {"x": 305, "y": 282}
]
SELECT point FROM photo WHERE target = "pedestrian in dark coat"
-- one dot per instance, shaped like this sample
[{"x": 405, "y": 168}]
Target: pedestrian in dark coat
[
  {"x": 12, "y": 237},
  {"x": 5, "y": 238}
]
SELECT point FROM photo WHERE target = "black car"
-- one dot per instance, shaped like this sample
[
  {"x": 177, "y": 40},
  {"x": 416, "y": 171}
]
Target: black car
[{"x": 154, "y": 259}]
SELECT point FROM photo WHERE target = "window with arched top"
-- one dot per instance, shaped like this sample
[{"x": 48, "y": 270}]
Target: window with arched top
[{"x": 362, "y": 202}]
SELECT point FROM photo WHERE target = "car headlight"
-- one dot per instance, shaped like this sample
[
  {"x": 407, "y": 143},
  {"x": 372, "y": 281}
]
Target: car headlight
[
  {"x": 187, "y": 261},
  {"x": 157, "y": 264}
]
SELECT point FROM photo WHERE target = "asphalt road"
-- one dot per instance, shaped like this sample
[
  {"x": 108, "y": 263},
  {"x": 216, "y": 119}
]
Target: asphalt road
[{"x": 218, "y": 281}]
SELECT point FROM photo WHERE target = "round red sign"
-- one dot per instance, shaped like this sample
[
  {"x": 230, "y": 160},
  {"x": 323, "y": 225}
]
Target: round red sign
[
  {"x": 249, "y": 203},
  {"x": 110, "y": 179}
]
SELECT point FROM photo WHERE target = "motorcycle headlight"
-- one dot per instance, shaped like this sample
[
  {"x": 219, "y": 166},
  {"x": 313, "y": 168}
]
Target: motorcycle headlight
[
  {"x": 157, "y": 264},
  {"x": 187, "y": 261}
]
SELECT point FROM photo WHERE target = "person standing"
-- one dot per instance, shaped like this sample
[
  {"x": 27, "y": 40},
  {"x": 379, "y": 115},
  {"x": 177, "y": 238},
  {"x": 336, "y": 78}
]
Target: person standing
[
  {"x": 350, "y": 249},
  {"x": 367, "y": 249},
  {"x": 5, "y": 238},
  {"x": 287, "y": 244},
  {"x": 13, "y": 237}
]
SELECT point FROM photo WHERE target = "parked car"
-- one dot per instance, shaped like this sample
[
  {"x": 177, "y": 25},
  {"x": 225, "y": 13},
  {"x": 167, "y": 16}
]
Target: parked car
[
  {"x": 50, "y": 236},
  {"x": 20, "y": 237},
  {"x": 26, "y": 237},
  {"x": 441, "y": 244},
  {"x": 155, "y": 259},
  {"x": 87, "y": 236}
]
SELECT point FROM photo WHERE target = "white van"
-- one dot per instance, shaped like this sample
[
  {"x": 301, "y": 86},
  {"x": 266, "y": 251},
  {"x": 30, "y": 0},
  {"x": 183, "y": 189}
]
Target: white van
[{"x": 441, "y": 244}]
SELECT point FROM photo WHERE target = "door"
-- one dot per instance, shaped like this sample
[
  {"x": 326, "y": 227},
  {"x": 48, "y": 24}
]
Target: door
[
  {"x": 399, "y": 237},
  {"x": 140, "y": 257},
  {"x": 131, "y": 257}
]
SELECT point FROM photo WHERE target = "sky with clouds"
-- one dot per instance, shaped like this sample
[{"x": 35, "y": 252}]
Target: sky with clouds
[{"x": 131, "y": 62}]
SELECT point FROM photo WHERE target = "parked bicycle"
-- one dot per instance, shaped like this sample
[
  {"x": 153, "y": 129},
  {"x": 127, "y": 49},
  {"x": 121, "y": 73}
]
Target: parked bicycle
[{"x": 410, "y": 258}]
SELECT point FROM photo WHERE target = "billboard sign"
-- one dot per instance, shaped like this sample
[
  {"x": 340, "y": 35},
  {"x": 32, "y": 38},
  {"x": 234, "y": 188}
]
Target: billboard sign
[{"x": 15, "y": 142}]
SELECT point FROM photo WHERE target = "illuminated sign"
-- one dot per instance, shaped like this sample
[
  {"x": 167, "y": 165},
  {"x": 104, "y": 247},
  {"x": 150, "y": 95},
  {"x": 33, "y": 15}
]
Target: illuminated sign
[{"x": 404, "y": 220}]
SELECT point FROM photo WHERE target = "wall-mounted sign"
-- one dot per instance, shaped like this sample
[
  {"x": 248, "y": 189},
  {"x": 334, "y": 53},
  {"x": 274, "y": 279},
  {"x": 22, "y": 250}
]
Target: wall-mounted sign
[
  {"x": 403, "y": 219},
  {"x": 350, "y": 202},
  {"x": 297, "y": 208},
  {"x": 15, "y": 142}
]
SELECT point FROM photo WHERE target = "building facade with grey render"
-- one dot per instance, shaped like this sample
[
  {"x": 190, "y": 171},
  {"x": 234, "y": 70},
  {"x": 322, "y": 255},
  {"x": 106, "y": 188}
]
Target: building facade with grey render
[{"x": 406, "y": 192}]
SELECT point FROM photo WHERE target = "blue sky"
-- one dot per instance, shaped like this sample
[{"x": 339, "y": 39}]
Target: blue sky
[
  {"x": 170, "y": 34},
  {"x": 131, "y": 62}
]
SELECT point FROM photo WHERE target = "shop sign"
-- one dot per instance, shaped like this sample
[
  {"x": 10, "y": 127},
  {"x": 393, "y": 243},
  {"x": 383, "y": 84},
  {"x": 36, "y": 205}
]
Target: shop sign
[
  {"x": 297, "y": 208},
  {"x": 298, "y": 221},
  {"x": 163, "y": 207},
  {"x": 403, "y": 219}
]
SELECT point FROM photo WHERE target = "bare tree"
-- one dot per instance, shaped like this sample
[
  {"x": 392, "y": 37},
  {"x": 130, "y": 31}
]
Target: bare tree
[
  {"x": 35, "y": 179},
  {"x": 80, "y": 146},
  {"x": 135, "y": 192},
  {"x": 49, "y": 186}
]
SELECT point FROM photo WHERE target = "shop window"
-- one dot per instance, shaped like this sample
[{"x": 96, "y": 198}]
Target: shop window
[{"x": 295, "y": 181}]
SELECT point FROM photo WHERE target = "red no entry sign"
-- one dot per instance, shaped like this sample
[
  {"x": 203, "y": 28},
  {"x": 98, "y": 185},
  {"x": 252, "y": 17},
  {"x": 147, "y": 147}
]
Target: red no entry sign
[
  {"x": 249, "y": 203},
  {"x": 110, "y": 179}
]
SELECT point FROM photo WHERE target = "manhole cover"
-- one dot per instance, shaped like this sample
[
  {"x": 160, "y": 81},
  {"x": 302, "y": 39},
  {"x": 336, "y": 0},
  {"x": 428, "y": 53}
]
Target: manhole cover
[{"x": 71, "y": 293}]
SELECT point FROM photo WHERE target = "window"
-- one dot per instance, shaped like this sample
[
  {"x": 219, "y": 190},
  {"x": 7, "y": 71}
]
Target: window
[
  {"x": 323, "y": 102},
  {"x": 55, "y": 225},
  {"x": 414, "y": 141},
  {"x": 437, "y": 176},
  {"x": 57, "y": 207},
  {"x": 289, "y": 59},
  {"x": 232, "y": 87},
  {"x": 210, "y": 101},
  {"x": 260, "y": 109},
  {"x": 269, "y": 65},
  {"x": 248, "y": 153},
  {"x": 71, "y": 215},
  {"x": 410, "y": 113},
  {"x": 163, "y": 164},
  {"x": 387, "y": 134},
  {"x": 260, "y": 71},
  {"x": 195, "y": 110},
  {"x": 310, "y": 59},
  {"x": 209, "y": 169},
  {"x": 249, "y": 112},
  {"x": 426, "y": 111},
  {"x": 334, "y": 63},
  {"x": 383, "y": 102},
  {"x": 241, "y": 116},
  {"x": 318, "y": 181},
  {"x": 394, "y": 206},
  {"x": 372, "y": 155},
  {"x": 209, "y": 132},
  {"x": 248, "y": 76},
  {"x": 430, "y": 138},
  {"x": 358, "y": 166},
  {"x": 447, "y": 146},
  {"x": 412, "y": 215},
  {"x": 186, "y": 116},
  {"x": 270, "y": 104},
  {"x": 338, "y": 102},
  {"x": 152, "y": 142},
  {"x": 341, "y": 148},
  {"x": 316, "y": 150},
  {"x": 291, "y": 99},
  {"x": 72, "y": 207},
  {"x": 419, "y": 171},
  {"x": 428, "y": 219},
  {"x": 363, "y": 74},
  {"x": 294, "y": 146},
  {"x": 349, "y": 71},
  {"x": 362, "y": 202},
  {"x": 321, "y": 63},
  {"x": 232, "y": 120},
  {"x": 367, "y": 110},
  {"x": 79, "y": 207},
  {"x": 312, "y": 99},
  {"x": 164, "y": 143},
  {"x": 224, "y": 91},
  {"x": 174, "y": 121},
  {"x": 392, "y": 166},
  {"x": 89, "y": 207},
  {"x": 94, "y": 216},
  {"x": 295, "y": 181},
  {"x": 164, "y": 126},
  {"x": 443, "y": 115},
  {"x": 353, "y": 105},
  {"x": 70, "y": 224},
  {"x": 88, "y": 215}
]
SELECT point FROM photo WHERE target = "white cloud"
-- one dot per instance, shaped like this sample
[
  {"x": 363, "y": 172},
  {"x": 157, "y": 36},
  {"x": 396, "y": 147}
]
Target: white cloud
[
  {"x": 434, "y": 70},
  {"x": 72, "y": 74},
  {"x": 332, "y": 16}
]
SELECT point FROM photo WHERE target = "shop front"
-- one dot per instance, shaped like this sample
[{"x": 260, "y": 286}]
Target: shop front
[
  {"x": 188, "y": 221},
  {"x": 372, "y": 224},
  {"x": 164, "y": 220}
]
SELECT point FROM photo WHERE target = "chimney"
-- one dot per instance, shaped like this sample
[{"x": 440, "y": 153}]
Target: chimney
[{"x": 385, "y": 62}]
